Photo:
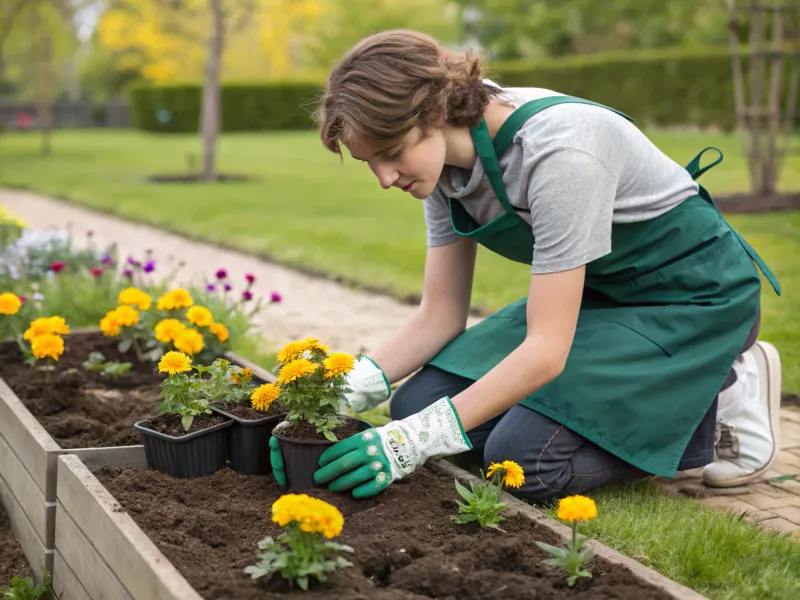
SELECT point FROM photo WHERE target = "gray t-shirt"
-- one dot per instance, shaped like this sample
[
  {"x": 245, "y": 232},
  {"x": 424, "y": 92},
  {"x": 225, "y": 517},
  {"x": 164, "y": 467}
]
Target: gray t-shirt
[{"x": 571, "y": 171}]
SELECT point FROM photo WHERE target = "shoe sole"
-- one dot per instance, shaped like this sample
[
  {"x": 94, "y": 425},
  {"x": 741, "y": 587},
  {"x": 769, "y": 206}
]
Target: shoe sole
[{"x": 769, "y": 364}]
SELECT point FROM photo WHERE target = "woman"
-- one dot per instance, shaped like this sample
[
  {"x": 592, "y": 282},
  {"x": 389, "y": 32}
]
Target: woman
[{"x": 641, "y": 296}]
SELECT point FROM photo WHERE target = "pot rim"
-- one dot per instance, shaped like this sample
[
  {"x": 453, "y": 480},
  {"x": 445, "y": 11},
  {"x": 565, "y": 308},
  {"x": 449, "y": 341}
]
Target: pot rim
[
  {"x": 292, "y": 440},
  {"x": 248, "y": 422},
  {"x": 140, "y": 427}
]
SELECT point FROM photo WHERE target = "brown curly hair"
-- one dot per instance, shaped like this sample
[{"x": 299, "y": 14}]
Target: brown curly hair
[{"x": 395, "y": 80}]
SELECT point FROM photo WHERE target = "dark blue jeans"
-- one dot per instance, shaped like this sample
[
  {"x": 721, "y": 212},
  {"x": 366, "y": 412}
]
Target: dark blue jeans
[{"x": 557, "y": 461}]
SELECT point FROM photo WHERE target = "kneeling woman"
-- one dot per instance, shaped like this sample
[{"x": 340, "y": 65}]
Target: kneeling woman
[{"x": 642, "y": 299}]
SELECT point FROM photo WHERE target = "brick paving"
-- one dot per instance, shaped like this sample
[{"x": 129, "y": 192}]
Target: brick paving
[{"x": 772, "y": 505}]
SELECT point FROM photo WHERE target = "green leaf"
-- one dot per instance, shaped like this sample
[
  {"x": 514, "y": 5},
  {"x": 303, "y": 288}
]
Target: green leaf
[
  {"x": 329, "y": 435},
  {"x": 783, "y": 478},
  {"x": 303, "y": 583},
  {"x": 555, "y": 551},
  {"x": 187, "y": 422},
  {"x": 125, "y": 345},
  {"x": 463, "y": 492}
]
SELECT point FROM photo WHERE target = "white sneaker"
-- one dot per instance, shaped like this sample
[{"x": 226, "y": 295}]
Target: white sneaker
[{"x": 748, "y": 420}]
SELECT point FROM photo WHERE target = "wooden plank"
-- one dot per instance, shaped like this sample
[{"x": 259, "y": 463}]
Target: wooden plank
[
  {"x": 31, "y": 544},
  {"x": 258, "y": 372},
  {"x": 140, "y": 566},
  {"x": 120, "y": 456},
  {"x": 86, "y": 563},
  {"x": 27, "y": 493},
  {"x": 65, "y": 583},
  {"x": 674, "y": 589},
  {"x": 30, "y": 442}
]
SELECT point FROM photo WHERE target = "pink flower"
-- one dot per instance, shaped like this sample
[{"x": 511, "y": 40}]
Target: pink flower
[
  {"x": 251, "y": 279},
  {"x": 22, "y": 299},
  {"x": 57, "y": 266},
  {"x": 247, "y": 295},
  {"x": 96, "y": 272},
  {"x": 275, "y": 297},
  {"x": 128, "y": 273},
  {"x": 222, "y": 274}
]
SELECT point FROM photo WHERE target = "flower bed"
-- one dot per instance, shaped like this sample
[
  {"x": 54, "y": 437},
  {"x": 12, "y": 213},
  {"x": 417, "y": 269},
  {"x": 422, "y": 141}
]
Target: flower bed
[
  {"x": 136, "y": 533},
  {"x": 12, "y": 559}
]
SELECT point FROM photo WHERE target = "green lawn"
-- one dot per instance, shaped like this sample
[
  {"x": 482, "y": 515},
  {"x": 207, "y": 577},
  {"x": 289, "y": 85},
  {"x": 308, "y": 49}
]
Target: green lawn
[{"x": 306, "y": 209}]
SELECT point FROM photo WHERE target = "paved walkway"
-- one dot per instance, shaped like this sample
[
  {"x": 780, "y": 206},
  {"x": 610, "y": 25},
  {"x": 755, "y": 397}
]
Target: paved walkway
[{"x": 354, "y": 321}]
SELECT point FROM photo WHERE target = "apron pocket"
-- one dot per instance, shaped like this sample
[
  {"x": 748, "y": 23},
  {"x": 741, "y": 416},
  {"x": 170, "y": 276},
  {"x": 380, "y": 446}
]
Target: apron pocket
[{"x": 648, "y": 336}]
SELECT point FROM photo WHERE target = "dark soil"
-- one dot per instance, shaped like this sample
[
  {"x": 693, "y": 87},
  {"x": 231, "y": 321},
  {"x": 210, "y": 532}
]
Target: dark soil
[
  {"x": 12, "y": 561},
  {"x": 749, "y": 203},
  {"x": 406, "y": 545},
  {"x": 303, "y": 430},
  {"x": 82, "y": 409},
  {"x": 171, "y": 424},
  {"x": 243, "y": 411}
]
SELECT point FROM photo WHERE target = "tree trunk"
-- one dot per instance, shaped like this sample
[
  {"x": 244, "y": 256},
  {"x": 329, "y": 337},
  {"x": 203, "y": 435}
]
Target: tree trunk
[
  {"x": 211, "y": 93},
  {"x": 44, "y": 96}
]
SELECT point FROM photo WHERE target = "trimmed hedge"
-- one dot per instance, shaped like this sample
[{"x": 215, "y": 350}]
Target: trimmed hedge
[
  {"x": 245, "y": 107},
  {"x": 661, "y": 87}
]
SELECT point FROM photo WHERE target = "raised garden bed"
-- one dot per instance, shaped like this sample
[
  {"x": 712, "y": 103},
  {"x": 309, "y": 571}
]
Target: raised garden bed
[
  {"x": 82, "y": 413},
  {"x": 127, "y": 532},
  {"x": 12, "y": 559}
]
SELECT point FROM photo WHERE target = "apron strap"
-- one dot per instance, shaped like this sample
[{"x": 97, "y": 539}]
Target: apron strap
[
  {"x": 695, "y": 170},
  {"x": 513, "y": 123},
  {"x": 483, "y": 146},
  {"x": 694, "y": 165}
]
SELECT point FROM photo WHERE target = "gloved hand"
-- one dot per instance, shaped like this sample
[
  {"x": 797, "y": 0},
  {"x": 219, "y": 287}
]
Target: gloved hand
[
  {"x": 371, "y": 460},
  {"x": 369, "y": 387},
  {"x": 276, "y": 460}
]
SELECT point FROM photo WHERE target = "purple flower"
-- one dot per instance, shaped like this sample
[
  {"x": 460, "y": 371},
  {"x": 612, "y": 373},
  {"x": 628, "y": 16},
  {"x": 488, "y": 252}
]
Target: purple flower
[
  {"x": 128, "y": 273},
  {"x": 149, "y": 266},
  {"x": 133, "y": 262},
  {"x": 222, "y": 274},
  {"x": 211, "y": 287},
  {"x": 275, "y": 297},
  {"x": 251, "y": 279},
  {"x": 228, "y": 287},
  {"x": 247, "y": 295},
  {"x": 107, "y": 260}
]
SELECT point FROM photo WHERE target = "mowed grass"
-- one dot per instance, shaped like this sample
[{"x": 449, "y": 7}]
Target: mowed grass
[{"x": 308, "y": 209}]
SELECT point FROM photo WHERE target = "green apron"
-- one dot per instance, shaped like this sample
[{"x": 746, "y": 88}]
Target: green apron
[{"x": 663, "y": 318}]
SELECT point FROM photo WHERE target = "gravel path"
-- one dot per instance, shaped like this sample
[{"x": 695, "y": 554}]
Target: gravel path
[{"x": 346, "y": 319}]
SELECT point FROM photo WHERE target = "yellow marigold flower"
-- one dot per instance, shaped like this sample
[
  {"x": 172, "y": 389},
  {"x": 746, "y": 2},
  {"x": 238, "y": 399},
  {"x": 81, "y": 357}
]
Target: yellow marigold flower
[
  {"x": 168, "y": 329},
  {"x": 576, "y": 508},
  {"x": 177, "y": 298},
  {"x": 263, "y": 396},
  {"x": 189, "y": 341},
  {"x": 291, "y": 351},
  {"x": 46, "y": 345},
  {"x": 311, "y": 514},
  {"x": 199, "y": 316},
  {"x": 174, "y": 362},
  {"x": 296, "y": 369},
  {"x": 513, "y": 475},
  {"x": 135, "y": 297},
  {"x": 109, "y": 325},
  {"x": 9, "y": 303},
  {"x": 245, "y": 376},
  {"x": 127, "y": 316},
  {"x": 219, "y": 330},
  {"x": 338, "y": 363},
  {"x": 313, "y": 344},
  {"x": 45, "y": 325}
]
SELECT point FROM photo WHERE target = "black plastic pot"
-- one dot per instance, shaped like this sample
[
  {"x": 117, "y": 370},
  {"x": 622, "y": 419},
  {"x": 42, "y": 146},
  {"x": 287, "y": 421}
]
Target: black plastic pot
[
  {"x": 192, "y": 455},
  {"x": 248, "y": 443},
  {"x": 301, "y": 457}
]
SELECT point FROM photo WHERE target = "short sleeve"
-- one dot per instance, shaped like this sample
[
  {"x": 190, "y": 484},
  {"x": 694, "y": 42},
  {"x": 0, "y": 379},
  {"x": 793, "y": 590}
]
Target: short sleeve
[
  {"x": 437, "y": 220},
  {"x": 571, "y": 197}
]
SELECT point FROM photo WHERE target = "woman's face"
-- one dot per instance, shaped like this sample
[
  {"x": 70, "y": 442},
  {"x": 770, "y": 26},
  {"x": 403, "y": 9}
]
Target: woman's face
[{"x": 414, "y": 165}]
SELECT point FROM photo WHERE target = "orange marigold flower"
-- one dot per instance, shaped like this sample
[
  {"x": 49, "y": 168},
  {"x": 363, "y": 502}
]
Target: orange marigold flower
[
  {"x": 199, "y": 316},
  {"x": 174, "y": 362},
  {"x": 127, "y": 316},
  {"x": 47, "y": 345},
  {"x": 177, "y": 298},
  {"x": 189, "y": 341},
  {"x": 219, "y": 330},
  {"x": 291, "y": 351},
  {"x": 337, "y": 364},
  {"x": 9, "y": 303},
  {"x": 135, "y": 297},
  {"x": 296, "y": 369},
  {"x": 576, "y": 508},
  {"x": 167, "y": 330},
  {"x": 263, "y": 396},
  {"x": 512, "y": 473}
]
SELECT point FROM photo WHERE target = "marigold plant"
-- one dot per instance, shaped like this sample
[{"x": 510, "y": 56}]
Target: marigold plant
[
  {"x": 302, "y": 552},
  {"x": 313, "y": 383},
  {"x": 483, "y": 503},
  {"x": 571, "y": 558},
  {"x": 189, "y": 341},
  {"x": 125, "y": 322},
  {"x": 167, "y": 330},
  {"x": 175, "y": 299},
  {"x": 199, "y": 316},
  {"x": 263, "y": 396},
  {"x": 9, "y": 304},
  {"x": 135, "y": 297}
]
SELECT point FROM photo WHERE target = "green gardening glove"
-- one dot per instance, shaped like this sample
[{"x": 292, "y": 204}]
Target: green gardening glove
[
  {"x": 276, "y": 460},
  {"x": 369, "y": 461}
]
